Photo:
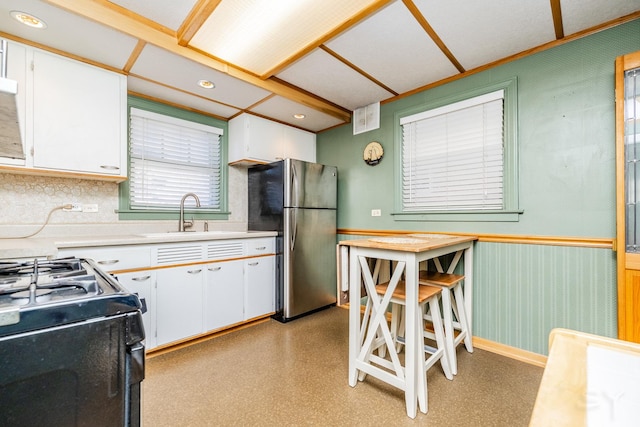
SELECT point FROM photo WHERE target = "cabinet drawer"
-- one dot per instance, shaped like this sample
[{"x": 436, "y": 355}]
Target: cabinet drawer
[
  {"x": 113, "y": 258},
  {"x": 261, "y": 246}
]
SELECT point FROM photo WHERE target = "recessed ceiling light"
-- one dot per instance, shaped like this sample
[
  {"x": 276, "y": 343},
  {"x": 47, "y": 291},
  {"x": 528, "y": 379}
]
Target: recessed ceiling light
[
  {"x": 206, "y": 84},
  {"x": 27, "y": 19},
  {"x": 299, "y": 116}
]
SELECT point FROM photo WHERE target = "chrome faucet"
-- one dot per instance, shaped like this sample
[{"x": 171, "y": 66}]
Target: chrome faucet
[{"x": 186, "y": 224}]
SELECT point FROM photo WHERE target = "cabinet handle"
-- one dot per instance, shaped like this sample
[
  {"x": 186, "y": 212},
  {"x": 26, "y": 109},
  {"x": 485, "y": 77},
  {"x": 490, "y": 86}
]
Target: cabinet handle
[
  {"x": 194, "y": 271},
  {"x": 253, "y": 264},
  {"x": 109, "y": 167},
  {"x": 109, "y": 262},
  {"x": 214, "y": 268},
  {"x": 141, "y": 278},
  {"x": 261, "y": 248}
]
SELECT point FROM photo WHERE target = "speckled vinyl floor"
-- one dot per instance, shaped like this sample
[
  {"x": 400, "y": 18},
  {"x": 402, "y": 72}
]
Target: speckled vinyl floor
[{"x": 295, "y": 374}]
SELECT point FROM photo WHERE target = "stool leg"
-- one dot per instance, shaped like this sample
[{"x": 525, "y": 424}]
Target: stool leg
[
  {"x": 401, "y": 328},
  {"x": 449, "y": 333},
  {"x": 436, "y": 321},
  {"x": 365, "y": 320},
  {"x": 462, "y": 317},
  {"x": 420, "y": 368}
]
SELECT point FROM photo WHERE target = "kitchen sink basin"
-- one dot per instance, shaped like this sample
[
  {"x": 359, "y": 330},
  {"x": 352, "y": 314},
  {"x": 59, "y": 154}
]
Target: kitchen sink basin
[{"x": 179, "y": 234}]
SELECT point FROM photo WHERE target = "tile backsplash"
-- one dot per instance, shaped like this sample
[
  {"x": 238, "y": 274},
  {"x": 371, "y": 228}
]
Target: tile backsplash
[{"x": 26, "y": 201}]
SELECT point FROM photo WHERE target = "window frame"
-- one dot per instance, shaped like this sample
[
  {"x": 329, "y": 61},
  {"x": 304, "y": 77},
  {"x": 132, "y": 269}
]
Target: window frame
[
  {"x": 510, "y": 211},
  {"x": 125, "y": 212}
]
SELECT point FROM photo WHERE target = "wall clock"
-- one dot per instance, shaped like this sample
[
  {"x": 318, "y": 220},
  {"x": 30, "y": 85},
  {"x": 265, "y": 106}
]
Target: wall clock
[{"x": 373, "y": 153}]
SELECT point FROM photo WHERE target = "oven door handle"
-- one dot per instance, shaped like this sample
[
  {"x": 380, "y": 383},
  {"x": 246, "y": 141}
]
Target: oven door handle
[{"x": 136, "y": 358}]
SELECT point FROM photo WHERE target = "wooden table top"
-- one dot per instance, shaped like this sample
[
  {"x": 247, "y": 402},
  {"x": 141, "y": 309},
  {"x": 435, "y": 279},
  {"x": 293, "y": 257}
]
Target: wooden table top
[
  {"x": 589, "y": 380},
  {"x": 410, "y": 242}
]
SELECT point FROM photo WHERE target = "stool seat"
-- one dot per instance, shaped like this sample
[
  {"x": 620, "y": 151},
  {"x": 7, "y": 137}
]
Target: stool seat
[
  {"x": 428, "y": 300},
  {"x": 439, "y": 279},
  {"x": 452, "y": 305},
  {"x": 424, "y": 292}
]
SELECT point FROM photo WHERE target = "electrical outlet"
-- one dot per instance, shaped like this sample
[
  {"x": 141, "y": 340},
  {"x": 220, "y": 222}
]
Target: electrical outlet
[
  {"x": 376, "y": 212},
  {"x": 74, "y": 207},
  {"x": 90, "y": 207}
]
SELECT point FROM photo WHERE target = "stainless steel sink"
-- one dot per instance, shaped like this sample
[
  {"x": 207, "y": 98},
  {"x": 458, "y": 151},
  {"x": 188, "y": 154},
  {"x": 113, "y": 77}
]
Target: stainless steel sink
[{"x": 186, "y": 234}]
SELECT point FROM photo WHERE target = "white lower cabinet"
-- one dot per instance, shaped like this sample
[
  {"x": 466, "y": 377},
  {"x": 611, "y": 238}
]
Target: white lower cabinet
[
  {"x": 179, "y": 303},
  {"x": 259, "y": 279},
  {"x": 229, "y": 281},
  {"x": 143, "y": 283},
  {"x": 223, "y": 294}
]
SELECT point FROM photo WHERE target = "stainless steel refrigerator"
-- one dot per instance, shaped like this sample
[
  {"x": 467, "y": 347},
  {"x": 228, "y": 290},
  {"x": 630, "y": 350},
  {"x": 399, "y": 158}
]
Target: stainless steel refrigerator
[{"x": 298, "y": 200}]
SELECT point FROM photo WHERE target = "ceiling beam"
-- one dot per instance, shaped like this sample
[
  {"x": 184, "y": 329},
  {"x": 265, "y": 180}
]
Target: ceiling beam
[
  {"x": 105, "y": 14},
  {"x": 432, "y": 33},
  {"x": 358, "y": 69},
  {"x": 365, "y": 13},
  {"x": 556, "y": 12},
  {"x": 196, "y": 18}
]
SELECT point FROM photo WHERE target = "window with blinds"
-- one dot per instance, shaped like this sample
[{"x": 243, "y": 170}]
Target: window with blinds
[
  {"x": 453, "y": 156},
  {"x": 170, "y": 157}
]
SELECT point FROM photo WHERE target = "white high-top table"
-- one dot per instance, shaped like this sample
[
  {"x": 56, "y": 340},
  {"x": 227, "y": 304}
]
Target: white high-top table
[{"x": 406, "y": 253}]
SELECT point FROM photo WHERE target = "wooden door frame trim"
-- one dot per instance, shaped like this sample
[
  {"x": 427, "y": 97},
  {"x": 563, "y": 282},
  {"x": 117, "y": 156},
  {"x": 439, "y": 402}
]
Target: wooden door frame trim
[{"x": 625, "y": 308}]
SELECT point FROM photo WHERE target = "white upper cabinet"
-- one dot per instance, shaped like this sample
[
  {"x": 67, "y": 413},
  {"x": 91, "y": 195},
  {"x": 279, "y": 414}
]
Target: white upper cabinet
[
  {"x": 17, "y": 70},
  {"x": 72, "y": 115},
  {"x": 78, "y": 117},
  {"x": 254, "y": 140},
  {"x": 299, "y": 144}
]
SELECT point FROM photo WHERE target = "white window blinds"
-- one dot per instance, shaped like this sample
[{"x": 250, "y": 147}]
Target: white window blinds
[
  {"x": 452, "y": 156},
  {"x": 170, "y": 157}
]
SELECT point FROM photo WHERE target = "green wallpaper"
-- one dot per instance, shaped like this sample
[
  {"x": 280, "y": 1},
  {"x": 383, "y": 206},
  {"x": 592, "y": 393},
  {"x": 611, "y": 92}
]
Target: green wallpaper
[{"x": 566, "y": 144}]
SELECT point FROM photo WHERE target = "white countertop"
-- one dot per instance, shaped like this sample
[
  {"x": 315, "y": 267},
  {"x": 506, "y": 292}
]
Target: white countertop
[{"x": 36, "y": 247}]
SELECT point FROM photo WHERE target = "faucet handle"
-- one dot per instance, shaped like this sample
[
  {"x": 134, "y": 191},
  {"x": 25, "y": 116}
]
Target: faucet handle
[{"x": 187, "y": 223}]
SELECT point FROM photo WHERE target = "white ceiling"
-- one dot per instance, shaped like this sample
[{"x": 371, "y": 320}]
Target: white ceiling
[{"x": 367, "y": 50}]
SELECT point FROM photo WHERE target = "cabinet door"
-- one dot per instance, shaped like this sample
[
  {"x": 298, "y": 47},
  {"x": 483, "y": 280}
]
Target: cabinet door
[
  {"x": 17, "y": 70},
  {"x": 254, "y": 138},
  {"x": 265, "y": 139},
  {"x": 259, "y": 286},
  {"x": 78, "y": 116},
  {"x": 224, "y": 294},
  {"x": 113, "y": 258},
  {"x": 299, "y": 144},
  {"x": 142, "y": 283},
  {"x": 179, "y": 303}
]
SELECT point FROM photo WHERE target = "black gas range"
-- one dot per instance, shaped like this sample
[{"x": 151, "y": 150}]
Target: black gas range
[
  {"x": 44, "y": 293},
  {"x": 71, "y": 345}
]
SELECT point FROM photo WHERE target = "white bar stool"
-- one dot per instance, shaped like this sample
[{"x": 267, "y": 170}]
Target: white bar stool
[
  {"x": 428, "y": 300},
  {"x": 456, "y": 324}
]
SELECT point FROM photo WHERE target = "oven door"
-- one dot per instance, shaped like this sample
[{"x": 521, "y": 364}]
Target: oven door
[{"x": 83, "y": 374}]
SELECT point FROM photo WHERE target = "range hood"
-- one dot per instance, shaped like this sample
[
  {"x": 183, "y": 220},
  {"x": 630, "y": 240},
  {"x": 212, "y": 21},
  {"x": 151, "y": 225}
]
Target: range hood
[{"x": 10, "y": 137}]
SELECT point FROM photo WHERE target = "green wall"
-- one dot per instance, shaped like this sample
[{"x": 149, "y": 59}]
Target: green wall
[
  {"x": 565, "y": 134},
  {"x": 566, "y": 139}
]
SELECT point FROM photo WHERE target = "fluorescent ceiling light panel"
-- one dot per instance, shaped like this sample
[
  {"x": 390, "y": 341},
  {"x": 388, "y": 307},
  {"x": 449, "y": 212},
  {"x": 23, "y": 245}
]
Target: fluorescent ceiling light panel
[{"x": 258, "y": 35}]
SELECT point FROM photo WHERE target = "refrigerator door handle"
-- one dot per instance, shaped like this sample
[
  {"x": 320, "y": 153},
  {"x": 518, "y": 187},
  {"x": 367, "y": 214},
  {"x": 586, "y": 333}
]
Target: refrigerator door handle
[
  {"x": 295, "y": 195},
  {"x": 295, "y": 200},
  {"x": 293, "y": 228}
]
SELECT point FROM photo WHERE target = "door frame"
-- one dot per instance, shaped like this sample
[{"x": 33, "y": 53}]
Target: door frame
[{"x": 628, "y": 265}]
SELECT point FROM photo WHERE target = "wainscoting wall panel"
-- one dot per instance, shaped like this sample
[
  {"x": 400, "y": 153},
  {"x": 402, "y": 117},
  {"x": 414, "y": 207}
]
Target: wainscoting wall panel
[{"x": 522, "y": 291}]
